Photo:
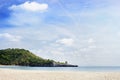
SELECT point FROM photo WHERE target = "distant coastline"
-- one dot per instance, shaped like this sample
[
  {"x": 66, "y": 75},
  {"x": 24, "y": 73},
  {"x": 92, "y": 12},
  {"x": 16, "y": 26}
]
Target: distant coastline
[{"x": 22, "y": 57}]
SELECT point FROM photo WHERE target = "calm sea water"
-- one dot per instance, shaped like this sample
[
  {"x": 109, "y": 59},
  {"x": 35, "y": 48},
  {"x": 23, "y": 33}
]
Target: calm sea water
[{"x": 93, "y": 68}]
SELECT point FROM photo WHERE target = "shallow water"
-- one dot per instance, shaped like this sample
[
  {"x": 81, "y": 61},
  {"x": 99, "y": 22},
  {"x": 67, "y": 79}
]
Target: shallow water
[{"x": 88, "y": 68}]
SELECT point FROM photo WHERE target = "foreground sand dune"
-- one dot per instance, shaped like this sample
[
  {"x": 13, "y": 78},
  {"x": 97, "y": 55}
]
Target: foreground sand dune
[{"x": 6, "y": 74}]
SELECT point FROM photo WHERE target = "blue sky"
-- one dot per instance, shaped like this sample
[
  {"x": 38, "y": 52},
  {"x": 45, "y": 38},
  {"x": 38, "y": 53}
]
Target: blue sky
[{"x": 83, "y": 32}]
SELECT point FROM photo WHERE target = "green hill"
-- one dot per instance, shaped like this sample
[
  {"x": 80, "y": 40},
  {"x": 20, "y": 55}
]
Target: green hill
[{"x": 22, "y": 57}]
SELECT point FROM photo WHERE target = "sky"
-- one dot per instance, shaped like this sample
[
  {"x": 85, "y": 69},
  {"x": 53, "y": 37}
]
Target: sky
[{"x": 82, "y": 32}]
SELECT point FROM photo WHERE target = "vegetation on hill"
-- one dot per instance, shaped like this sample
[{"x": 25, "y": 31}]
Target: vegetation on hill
[{"x": 22, "y": 57}]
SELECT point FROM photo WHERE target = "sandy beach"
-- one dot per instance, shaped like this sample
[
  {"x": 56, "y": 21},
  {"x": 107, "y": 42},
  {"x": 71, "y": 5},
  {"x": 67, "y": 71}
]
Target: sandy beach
[{"x": 9, "y": 74}]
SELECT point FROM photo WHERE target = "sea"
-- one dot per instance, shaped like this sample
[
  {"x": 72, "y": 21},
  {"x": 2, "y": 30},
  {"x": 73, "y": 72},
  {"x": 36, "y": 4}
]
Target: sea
[{"x": 80, "y": 68}]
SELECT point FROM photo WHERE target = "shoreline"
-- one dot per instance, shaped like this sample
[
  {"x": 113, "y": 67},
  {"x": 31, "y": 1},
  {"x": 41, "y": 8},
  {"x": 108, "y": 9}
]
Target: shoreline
[{"x": 10, "y": 74}]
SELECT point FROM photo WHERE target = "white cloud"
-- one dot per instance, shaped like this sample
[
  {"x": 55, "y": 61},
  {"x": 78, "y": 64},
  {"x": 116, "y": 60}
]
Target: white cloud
[
  {"x": 84, "y": 49},
  {"x": 27, "y": 14},
  {"x": 10, "y": 37},
  {"x": 66, "y": 41},
  {"x": 30, "y": 6},
  {"x": 91, "y": 40},
  {"x": 92, "y": 47}
]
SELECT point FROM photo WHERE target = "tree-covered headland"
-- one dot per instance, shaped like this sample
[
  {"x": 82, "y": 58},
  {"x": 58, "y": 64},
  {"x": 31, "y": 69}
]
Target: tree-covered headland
[{"x": 22, "y": 57}]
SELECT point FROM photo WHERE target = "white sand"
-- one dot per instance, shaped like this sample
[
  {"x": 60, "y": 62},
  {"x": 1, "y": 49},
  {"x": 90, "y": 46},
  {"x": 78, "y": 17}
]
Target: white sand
[{"x": 7, "y": 74}]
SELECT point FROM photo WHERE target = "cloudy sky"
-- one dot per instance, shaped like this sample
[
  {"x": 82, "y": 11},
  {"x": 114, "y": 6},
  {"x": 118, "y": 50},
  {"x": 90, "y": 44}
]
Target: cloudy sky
[{"x": 83, "y": 32}]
